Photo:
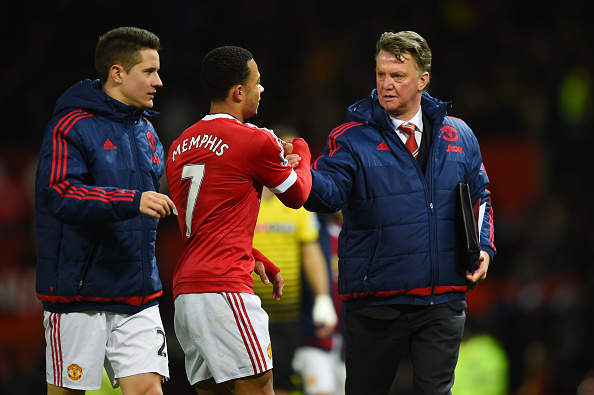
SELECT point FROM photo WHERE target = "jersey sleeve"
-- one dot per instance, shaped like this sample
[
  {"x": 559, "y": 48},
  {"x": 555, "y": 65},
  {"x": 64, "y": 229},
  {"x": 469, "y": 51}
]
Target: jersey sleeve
[
  {"x": 267, "y": 162},
  {"x": 272, "y": 170},
  {"x": 271, "y": 269}
]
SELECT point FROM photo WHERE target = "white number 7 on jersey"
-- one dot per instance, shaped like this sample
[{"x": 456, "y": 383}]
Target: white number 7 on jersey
[{"x": 196, "y": 174}]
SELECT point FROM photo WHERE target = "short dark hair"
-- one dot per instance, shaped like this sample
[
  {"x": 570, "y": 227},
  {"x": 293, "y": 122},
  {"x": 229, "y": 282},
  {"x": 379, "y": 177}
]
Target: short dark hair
[
  {"x": 122, "y": 45},
  {"x": 223, "y": 68}
]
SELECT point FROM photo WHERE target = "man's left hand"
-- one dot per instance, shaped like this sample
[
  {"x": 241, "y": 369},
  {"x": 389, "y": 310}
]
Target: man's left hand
[{"x": 480, "y": 273}]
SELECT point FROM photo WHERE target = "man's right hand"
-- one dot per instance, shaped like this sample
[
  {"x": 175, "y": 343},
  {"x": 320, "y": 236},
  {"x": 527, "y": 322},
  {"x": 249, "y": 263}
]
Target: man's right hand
[
  {"x": 277, "y": 282},
  {"x": 293, "y": 159},
  {"x": 156, "y": 204}
]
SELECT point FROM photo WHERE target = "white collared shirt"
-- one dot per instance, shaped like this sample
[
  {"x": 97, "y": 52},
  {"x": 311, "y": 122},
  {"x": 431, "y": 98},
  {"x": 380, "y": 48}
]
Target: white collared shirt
[{"x": 417, "y": 120}]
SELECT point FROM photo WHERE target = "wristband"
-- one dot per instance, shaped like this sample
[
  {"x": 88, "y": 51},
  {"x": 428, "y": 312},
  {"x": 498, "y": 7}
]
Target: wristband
[{"x": 269, "y": 267}]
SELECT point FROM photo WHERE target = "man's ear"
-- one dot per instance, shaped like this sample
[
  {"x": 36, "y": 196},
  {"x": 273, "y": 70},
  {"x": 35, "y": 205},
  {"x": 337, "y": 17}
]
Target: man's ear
[
  {"x": 237, "y": 93},
  {"x": 423, "y": 81},
  {"x": 115, "y": 72}
]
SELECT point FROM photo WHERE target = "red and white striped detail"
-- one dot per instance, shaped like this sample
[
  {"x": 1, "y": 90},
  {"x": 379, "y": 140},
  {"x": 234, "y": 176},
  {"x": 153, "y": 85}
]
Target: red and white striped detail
[
  {"x": 250, "y": 338},
  {"x": 56, "y": 348}
]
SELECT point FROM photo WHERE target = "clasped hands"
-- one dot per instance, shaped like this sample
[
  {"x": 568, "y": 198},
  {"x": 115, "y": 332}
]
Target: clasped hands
[{"x": 293, "y": 159}]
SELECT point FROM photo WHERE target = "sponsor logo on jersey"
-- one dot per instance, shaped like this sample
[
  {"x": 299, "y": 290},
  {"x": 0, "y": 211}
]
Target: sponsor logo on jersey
[
  {"x": 276, "y": 227},
  {"x": 454, "y": 148},
  {"x": 75, "y": 372}
]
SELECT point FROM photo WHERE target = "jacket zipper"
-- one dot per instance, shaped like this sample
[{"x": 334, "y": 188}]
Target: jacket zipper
[
  {"x": 378, "y": 235},
  {"x": 90, "y": 261},
  {"x": 430, "y": 183}
]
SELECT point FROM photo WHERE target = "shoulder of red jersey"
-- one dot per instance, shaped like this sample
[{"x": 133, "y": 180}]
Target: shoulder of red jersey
[
  {"x": 212, "y": 117},
  {"x": 267, "y": 132},
  {"x": 220, "y": 131},
  {"x": 263, "y": 131}
]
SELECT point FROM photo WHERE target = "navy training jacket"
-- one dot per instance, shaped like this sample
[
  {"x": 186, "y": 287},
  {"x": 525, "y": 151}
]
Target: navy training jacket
[
  {"x": 95, "y": 250},
  {"x": 399, "y": 243}
]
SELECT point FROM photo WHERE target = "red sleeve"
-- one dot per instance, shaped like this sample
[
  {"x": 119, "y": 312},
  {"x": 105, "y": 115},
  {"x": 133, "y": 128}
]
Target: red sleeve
[
  {"x": 298, "y": 193},
  {"x": 266, "y": 162},
  {"x": 271, "y": 269}
]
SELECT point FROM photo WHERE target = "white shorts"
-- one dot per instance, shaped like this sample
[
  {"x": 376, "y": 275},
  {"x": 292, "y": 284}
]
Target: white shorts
[
  {"x": 223, "y": 335},
  {"x": 318, "y": 369},
  {"x": 80, "y": 344}
]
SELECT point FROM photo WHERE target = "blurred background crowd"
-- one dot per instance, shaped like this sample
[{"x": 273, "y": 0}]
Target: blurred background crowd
[{"x": 518, "y": 72}]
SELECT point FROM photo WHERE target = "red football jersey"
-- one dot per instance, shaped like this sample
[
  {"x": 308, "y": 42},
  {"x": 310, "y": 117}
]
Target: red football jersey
[{"x": 216, "y": 170}]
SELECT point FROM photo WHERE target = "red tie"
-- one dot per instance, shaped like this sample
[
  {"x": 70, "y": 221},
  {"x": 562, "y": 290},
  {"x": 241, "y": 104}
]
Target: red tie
[{"x": 411, "y": 142}]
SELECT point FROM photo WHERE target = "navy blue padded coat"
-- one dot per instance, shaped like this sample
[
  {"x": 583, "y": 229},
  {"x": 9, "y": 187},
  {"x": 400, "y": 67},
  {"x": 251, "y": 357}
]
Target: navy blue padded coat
[
  {"x": 398, "y": 243},
  {"x": 95, "y": 250}
]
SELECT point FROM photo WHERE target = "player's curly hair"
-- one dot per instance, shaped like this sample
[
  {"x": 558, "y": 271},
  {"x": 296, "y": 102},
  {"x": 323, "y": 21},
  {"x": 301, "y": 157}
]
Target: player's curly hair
[
  {"x": 223, "y": 68},
  {"x": 122, "y": 46}
]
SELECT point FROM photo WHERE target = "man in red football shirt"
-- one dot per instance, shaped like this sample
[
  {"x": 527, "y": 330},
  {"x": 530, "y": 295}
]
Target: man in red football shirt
[{"x": 216, "y": 170}]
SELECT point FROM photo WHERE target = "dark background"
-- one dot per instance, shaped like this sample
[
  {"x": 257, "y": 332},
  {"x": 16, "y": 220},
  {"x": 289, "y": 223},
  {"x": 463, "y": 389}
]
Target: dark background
[{"x": 518, "y": 72}]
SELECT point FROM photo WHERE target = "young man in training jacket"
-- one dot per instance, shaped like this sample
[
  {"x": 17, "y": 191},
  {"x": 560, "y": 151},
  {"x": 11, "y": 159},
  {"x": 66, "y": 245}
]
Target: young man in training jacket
[{"x": 97, "y": 208}]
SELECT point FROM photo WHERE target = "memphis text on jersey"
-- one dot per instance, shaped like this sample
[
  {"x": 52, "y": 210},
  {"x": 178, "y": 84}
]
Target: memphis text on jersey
[{"x": 205, "y": 141}]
